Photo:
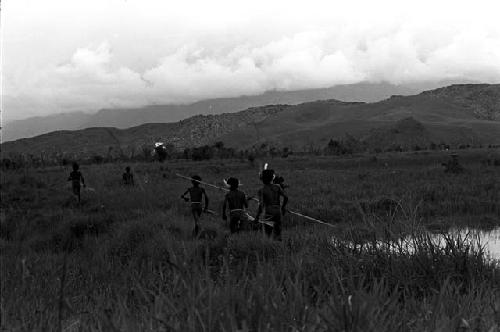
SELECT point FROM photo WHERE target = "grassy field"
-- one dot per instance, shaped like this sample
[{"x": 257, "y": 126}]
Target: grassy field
[{"x": 125, "y": 260}]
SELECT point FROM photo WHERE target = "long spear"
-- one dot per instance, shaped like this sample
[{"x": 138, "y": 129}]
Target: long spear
[{"x": 256, "y": 200}]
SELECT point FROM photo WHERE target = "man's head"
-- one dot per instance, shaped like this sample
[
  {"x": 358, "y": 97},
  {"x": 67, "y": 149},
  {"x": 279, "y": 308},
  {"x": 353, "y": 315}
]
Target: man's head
[
  {"x": 75, "y": 166},
  {"x": 233, "y": 183},
  {"x": 127, "y": 169},
  {"x": 267, "y": 176},
  {"x": 195, "y": 180}
]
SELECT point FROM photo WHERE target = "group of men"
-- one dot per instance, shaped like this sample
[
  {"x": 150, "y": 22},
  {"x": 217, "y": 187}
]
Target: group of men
[
  {"x": 236, "y": 202},
  {"x": 272, "y": 201}
]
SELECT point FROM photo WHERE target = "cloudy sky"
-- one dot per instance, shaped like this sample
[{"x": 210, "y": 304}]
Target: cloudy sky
[{"x": 83, "y": 55}]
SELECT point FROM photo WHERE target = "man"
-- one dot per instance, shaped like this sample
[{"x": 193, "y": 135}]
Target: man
[
  {"x": 269, "y": 203},
  {"x": 237, "y": 202},
  {"x": 76, "y": 178},
  {"x": 128, "y": 177},
  {"x": 196, "y": 195}
]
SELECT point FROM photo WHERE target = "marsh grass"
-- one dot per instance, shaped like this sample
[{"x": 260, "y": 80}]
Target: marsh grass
[{"x": 125, "y": 260}]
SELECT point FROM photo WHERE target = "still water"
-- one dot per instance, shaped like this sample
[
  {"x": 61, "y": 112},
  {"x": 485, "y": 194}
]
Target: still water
[{"x": 489, "y": 240}]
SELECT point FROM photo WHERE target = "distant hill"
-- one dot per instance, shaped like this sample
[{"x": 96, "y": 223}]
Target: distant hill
[
  {"x": 482, "y": 99},
  {"x": 43, "y": 124},
  {"x": 125, "y": 118},
  {"x": 195, "y": 131},
  {"x": 439, "y": 116},
  {"x": 406, "y": 133},
  {"x": 445, "y": 118}
]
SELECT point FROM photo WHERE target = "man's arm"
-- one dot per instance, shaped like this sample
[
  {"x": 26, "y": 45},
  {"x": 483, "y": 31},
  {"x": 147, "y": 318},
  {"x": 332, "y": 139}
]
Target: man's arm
[
  {"x": 245, "y": 201},
  {"x": 206, "y": 198},
  {"x": 261, "y": 201},
  {"x": 183, "y": 196},
  {"x": 224, "y": 217},
  {"x": 285, "y": 201},
  {"x": 259, "y": 211}
]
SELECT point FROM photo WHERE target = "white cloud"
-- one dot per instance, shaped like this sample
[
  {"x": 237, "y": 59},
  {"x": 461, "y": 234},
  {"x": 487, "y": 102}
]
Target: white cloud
[{"x": 155, "y": 54}]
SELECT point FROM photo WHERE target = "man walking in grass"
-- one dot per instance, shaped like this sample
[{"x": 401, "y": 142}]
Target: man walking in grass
[
  {"x": 196, "y": 195},
  {"x": 76, "y": 178},
  {"x": 128, "y": 177},
  {"x": 269, "y": 203},
  {"x": 237, "y": 202}
]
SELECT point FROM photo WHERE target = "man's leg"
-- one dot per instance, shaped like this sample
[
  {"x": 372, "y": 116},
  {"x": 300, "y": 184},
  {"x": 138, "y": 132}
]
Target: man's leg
[
  {"x": 76, "y": 192},
  {"x": 243, "y": 222},
  {"x": 196, "y": 216},
  {"x": 277, "y": 229},
  {"x": 268, "y": 229},
  {"x": 233, "y": 224}
]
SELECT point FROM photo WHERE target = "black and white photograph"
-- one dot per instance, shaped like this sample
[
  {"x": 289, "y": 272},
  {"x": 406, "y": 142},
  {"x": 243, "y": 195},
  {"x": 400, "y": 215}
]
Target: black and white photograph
[{"x": 247, "y": 166}]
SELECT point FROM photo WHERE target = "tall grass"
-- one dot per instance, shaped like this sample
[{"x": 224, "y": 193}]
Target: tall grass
[{"x": 124, "y": 260}]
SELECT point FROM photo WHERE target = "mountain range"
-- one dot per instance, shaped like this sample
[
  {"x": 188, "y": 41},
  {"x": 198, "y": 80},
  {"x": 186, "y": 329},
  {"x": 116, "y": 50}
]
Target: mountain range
[
  {"x": 456, "y": 114},
  {"x": 125, "y": 118}
]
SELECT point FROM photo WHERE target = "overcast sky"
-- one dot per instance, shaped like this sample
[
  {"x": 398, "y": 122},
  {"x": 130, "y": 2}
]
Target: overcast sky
[{"x": 68, "y": 55}]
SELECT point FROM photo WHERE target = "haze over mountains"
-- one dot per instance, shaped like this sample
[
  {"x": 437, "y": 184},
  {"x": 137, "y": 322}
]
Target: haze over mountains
[
  {"x": 458, "y": 114},
  {"x": 125, "y": 118}
]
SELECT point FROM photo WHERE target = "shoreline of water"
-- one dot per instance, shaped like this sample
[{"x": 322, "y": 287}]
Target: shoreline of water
[{"x": 488, "y": 240}]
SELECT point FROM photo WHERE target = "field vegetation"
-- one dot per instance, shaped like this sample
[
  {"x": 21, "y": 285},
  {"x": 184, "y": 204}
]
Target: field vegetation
[{"x": 125, "y": 259}]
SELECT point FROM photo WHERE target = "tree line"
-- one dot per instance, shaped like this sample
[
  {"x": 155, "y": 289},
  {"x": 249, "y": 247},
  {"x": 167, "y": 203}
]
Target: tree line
[{"x": 346, "y": 145}]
